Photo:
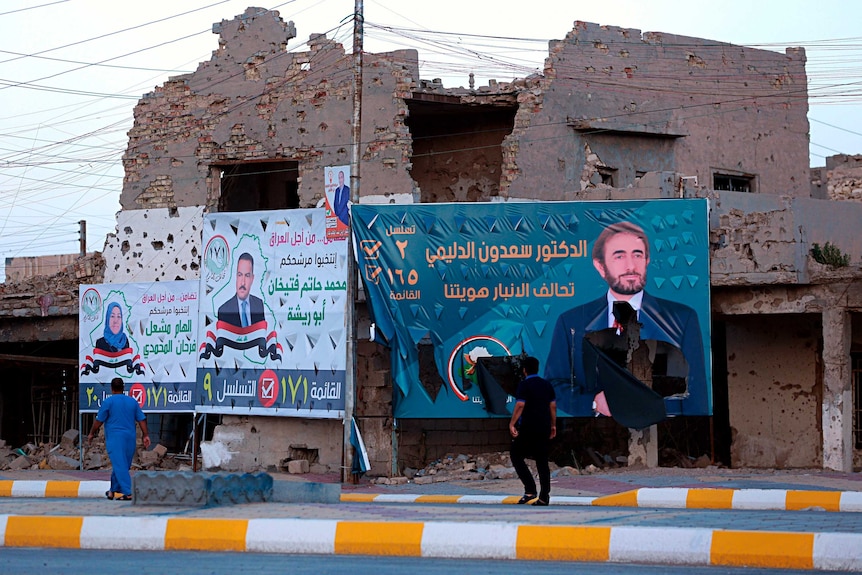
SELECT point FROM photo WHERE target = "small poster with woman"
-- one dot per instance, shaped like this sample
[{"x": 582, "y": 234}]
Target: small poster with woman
[
  {"x": 144, "y": 334},
  {"x": 113, "y": 351}
]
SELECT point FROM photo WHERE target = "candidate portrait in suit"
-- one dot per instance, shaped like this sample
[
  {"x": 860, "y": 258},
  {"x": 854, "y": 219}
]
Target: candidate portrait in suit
[
  {"x": 621, "y": 256},
  {"x": 342, "y": 196},
  {"x": 232, "y": 310}
]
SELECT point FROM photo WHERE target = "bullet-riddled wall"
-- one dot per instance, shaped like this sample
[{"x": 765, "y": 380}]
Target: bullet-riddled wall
[
  {"x": 618, "y": 103},
  {"x": 774, "y": 398},
  {"x": 615, "y": 114}
]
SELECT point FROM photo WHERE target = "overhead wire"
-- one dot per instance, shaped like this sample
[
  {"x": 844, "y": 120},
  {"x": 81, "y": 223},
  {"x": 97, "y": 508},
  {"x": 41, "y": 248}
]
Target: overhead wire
[
  {"x": 89, "y": 186},
  {"x": 243, "y": 103},
  {"x": 249, "y": 100}
]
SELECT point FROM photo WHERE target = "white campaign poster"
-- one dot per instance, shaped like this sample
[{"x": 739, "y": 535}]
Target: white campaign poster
[
  {"x": 272, "y": 332},
  {"x": 337, "y": 194},
  {"x": 143, "y": 333}
]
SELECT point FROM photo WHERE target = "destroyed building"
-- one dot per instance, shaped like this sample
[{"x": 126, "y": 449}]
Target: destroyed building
[{"x": 615, "y": 114}]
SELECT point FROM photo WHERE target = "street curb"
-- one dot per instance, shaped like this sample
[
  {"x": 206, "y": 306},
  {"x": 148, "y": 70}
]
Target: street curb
[
  {"x": 660, "y": 497},
  {"x": 464, "y": 540},
  {"x": 664, "y": 497},
  {"x": 751, "y": 499},
  {"x": 557, "y": 500},
  {"x": 51, "y": 488}
]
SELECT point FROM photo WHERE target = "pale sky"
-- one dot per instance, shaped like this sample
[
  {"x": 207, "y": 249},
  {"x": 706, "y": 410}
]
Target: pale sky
[{"x": 71, "y": 72}]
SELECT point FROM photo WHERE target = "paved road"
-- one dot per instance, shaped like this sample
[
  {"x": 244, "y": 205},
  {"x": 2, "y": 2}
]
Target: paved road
[
  {"x": 798, "y": 539},
  {"x": 92, "y": 562}
]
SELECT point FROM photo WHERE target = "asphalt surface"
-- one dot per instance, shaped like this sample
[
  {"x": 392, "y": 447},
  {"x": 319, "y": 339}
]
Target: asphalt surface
[{"x": 798, "y": 519}]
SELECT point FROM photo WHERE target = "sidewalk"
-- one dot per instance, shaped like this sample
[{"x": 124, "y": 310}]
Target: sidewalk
[{"x": 407, "y": 520}]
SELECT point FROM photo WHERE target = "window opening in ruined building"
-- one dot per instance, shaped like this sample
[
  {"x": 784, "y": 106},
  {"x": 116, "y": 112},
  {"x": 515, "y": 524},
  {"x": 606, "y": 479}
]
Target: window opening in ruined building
[
  {"x": 251, "y": 186},
  {"x": 300, "y": 453},
  {"x": 38, "y": 389},
  {"x": 731, "y": 183},
  {"x": 856, "y": 362},
  {"x": 608, "y": 175},
  {"x": 457, "y": 148}
]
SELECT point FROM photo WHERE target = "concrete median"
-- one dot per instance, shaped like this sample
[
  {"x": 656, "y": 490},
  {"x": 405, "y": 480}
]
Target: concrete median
[{"x": 474, "y": 540}]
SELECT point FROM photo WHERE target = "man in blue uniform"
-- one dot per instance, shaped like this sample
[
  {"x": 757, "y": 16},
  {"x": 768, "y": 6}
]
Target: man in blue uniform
[{"x": 118, "y": 413}]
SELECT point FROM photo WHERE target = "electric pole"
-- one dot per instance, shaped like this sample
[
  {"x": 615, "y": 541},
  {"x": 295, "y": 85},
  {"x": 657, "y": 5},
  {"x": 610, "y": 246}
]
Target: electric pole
[
  {"x": 82, "y": 236},
  {"x": 350, "y": 372}
]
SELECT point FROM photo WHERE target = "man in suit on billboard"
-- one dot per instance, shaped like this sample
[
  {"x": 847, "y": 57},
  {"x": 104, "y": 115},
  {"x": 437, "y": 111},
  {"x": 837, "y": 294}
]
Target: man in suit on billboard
[
  {"x": 243, "y": 309},
  {"x": 621, "y": 256},
  {"x": 342, "y": 196}
]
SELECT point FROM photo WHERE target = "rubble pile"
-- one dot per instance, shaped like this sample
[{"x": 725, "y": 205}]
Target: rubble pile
[
  {"x": 66, "y": 456},
  {"x": 464, "y": 467},
  {"x": 452, "y": 467}
]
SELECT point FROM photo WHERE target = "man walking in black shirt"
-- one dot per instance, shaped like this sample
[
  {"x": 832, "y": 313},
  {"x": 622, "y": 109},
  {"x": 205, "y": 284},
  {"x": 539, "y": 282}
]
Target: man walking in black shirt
[{"x": 533, "y": 426}]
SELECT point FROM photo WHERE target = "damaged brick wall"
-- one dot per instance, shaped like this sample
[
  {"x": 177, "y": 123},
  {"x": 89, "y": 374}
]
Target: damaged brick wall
[
  {"x": 844, "y": 178},
  {"x": 374, "y": 403},
  {"x": 677, "y": 103},
  {"x": 761, "y": 239},
  {"x": 604, "y": 97},
  {"x": 253, "y": 101},
  {"x": 58, "y": 292},
  {"x": 757, "y": 246}
]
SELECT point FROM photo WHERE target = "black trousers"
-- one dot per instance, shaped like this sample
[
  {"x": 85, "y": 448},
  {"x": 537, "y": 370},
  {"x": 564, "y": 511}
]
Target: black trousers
[{"x": 536, "y": 448}]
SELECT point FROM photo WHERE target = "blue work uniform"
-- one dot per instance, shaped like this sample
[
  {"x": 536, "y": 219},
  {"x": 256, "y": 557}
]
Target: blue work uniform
[{"x": 119, "y": 413}]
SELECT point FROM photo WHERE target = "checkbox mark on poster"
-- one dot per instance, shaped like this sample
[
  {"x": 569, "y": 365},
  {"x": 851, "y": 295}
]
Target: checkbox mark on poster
[{"x": 266, "y": 388}]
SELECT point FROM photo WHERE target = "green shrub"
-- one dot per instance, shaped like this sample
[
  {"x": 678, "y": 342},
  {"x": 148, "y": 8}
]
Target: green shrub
[{"x": 829, "y": 255}]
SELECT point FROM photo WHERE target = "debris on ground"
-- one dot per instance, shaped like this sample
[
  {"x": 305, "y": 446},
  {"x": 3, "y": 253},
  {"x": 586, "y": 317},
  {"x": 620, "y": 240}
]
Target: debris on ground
[
  {"x": 452, "y": 467},
  {"x": 464, "y": 467},
  {"x": 498, "y": 465},
  {"x": 65, "y": 455}
]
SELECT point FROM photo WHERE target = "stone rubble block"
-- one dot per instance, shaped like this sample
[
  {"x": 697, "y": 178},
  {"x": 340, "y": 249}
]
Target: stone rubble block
[
  {"x": 148, "y": 458},
  {"x": 297, "y": 466},
  {"x": 69, "y": 439},
  {"x": 20, "y": 463},
  {"x": 57, "y": 461}
]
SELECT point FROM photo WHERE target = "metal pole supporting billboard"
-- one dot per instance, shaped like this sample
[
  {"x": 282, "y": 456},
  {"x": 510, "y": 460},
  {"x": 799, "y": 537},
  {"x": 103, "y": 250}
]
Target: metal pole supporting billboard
[{"x": 350, "y": 372}]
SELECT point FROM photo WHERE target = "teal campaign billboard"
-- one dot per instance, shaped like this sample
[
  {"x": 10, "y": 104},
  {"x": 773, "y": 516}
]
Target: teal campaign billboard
[{"x": 471, "y": 282}]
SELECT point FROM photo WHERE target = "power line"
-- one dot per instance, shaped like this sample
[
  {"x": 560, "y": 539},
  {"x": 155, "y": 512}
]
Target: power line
[
  {"x": 481, "y": 54},
  {"x": 32, "y": 7}
]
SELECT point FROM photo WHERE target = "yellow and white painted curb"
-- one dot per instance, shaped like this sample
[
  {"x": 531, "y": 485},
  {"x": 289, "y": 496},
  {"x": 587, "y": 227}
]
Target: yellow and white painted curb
[
  {"x": 669, "y": 497},
  {"x": 661, "y": 497},
  {"x": 474, "y": 540},
  {"x": 477, "y": 499},
  {"x": 755, "y": 499},
  {"x": 32, "y": 488}
]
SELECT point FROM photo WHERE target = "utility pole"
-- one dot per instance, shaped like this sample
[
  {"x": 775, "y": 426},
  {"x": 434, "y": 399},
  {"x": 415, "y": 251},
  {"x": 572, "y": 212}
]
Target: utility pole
[
  {"x": 350, "y": 372},
  {"x": 82, "y": 236}
]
